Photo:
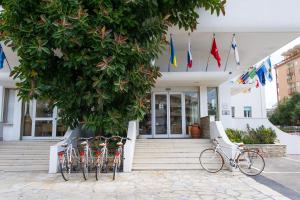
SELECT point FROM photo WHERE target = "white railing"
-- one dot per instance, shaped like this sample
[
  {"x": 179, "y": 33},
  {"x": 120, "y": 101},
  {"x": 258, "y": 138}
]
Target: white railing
[
  {"x": 132, "y": 133},
  {"x": 217, "y": 131},
  {"x": 53, "y": 160}
]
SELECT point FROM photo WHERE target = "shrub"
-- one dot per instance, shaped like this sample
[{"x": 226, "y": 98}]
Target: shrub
[
  {"x": 234, "y": 135},
  {"x": 260, "y": 135}
]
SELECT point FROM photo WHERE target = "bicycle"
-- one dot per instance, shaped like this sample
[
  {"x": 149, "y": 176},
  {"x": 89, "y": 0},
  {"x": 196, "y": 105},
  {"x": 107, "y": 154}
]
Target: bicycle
[
  {"x": 101, "y": 157},
  {"x": 118, "y": 154},
  {"x": 249, "y": 162},
  {"x": 67, "y": 158},
  {"x": 86, "y": 156}
]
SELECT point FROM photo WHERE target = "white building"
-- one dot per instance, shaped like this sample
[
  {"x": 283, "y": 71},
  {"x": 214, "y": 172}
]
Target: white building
[{"x": 181, "y": 98}]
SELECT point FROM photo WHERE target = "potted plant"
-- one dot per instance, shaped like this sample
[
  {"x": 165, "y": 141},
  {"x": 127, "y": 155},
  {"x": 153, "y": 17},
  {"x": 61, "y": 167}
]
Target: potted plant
[{"x": 195, "y": 130}]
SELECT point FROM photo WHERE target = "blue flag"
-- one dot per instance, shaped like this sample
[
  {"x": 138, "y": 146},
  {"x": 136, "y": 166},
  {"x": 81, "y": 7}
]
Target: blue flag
[
  {"x": 269, "y": 73},
  {"x": 2, "y": 57},
  {"x": 261, "y": 73}
]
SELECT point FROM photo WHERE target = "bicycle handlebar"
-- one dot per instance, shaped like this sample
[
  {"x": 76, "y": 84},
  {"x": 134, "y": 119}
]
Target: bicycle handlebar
[{"x": 121, "y": 138}]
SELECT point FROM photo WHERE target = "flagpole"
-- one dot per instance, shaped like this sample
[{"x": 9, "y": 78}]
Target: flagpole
[
  {"x": 229, "y": 52},
  {"x": 208, "y": 59}
]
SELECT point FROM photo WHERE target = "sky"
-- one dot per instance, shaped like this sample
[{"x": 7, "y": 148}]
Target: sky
[{"x": 270, "y": 87}]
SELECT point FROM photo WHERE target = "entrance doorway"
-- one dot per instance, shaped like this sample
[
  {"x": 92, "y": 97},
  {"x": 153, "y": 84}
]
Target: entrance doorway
[
  {"x": 168, "y": 115},
  {"x": 40, "y": 121},
  {"x": 171, "y": 114}
]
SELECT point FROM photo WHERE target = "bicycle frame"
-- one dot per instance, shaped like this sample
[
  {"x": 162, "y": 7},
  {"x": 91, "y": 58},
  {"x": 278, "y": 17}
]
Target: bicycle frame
[{"x": 232, "y": 161}]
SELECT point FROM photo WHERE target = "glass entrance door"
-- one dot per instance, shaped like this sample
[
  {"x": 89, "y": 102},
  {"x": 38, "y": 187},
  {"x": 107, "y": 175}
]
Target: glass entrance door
[
  {"x": 41, "y": 121},
  {"x": 168, "y": 115},
  {"x": 161, "y": 115}
]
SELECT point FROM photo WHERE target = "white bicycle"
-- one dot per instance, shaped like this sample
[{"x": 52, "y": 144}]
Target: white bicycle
[{"x": 249, "y": 162}]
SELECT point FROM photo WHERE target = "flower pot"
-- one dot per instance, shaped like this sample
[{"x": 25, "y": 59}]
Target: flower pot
[{"x": 195, "y": 131}]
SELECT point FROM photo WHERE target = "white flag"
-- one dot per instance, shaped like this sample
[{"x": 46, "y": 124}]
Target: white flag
[{"x": 235, "y": 49}]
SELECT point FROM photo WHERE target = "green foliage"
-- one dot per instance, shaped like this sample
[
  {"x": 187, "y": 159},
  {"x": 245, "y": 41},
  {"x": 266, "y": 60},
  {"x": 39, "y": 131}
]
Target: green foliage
[
  {"x": 235, "y": 135},
  {"x": 260, "y": 135},
  {"x": 91, "y": 58},
  {"x": 287, "y": 112}
]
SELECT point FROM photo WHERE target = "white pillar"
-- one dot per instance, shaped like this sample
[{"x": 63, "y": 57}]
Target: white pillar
[
  {"x": 224, "y": 99},
  {"x": 130, "y": 146},
  {"x": 203, "y": 101}
]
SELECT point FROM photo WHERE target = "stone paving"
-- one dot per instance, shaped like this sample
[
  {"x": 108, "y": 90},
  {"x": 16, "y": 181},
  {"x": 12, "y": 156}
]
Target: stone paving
[{"x": 144, "y": 185}]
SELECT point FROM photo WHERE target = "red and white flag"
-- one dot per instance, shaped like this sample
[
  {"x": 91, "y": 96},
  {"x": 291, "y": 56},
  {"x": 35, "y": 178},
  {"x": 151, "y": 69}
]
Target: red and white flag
[
  {"x": 189, "y": 56},
  {"x": 215, "y": 52}
]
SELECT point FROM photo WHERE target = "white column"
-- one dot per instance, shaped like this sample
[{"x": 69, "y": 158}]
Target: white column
[
  {"x": 203, "y": 101},
  {"x": 224, "y": 99}
]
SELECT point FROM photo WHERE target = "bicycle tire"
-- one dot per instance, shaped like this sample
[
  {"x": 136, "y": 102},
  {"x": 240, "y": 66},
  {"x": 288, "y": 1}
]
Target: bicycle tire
[
  {"x": 115, "y": 169},
  {"x": 85, "y": 171},
  {"x": 62, "y": 171},
  {"x": 99, "y": 169},
  {"x": 257, "y": 169},
  {"x": 215, "y": 166}
]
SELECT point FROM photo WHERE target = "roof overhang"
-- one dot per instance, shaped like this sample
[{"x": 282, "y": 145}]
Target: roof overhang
[{"x": 174, "y": 79}]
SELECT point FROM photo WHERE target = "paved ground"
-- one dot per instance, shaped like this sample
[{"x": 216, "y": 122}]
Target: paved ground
[
  {"x": 196, "y": 184},
  {"x": 282, "y": 175}
]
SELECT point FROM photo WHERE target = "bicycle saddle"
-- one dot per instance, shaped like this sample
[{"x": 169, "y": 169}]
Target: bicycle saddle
[
  {"x": 64, "y": 145},
  {"x": 84, "y": 143},
  {"x": 102, "y": 144},
  {"x": 119, "y": 144}
]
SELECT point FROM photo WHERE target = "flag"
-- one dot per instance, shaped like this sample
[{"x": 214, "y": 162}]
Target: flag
[
  {"x": 235, "y": 49},
  {"x": 261, "y": 73},
  {"x": 215, "y": 52},
  {"x": 189, "y": 56},
  {"x": 269, "y": 72},
  {"x": 244, "y": 77},
  {"x": 257, "y": 83},
  {"x": 173, "y": 60},
  {"x": 2, "y": 57},
  {"x": 252, "y": 73}
]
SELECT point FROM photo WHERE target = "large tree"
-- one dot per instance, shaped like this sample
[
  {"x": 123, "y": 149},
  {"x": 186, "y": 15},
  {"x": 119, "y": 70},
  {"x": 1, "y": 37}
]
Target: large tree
[{"x": 91, "y": 58}]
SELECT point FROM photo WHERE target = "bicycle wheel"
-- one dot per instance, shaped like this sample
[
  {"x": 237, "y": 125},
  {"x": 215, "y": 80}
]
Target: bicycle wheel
[
  {"x": 65, "y": 169},
  {"x": 85, "y": 170},
  {"x": 99, "y": 168},
  {"x": 250, "y": 163},
  {"x": 115, "y": 170},
  {"x": 211, "y": 160}
]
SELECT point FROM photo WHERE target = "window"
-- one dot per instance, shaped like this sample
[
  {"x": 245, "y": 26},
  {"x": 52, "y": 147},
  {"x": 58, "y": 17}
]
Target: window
[
  {"x": 212, "y": 101},
  {"x": 247, "y": 111},
  {"x": 191, "y": 108},
  {"x": 232, "y": 111},
  {"x": 9, "y": 102}
]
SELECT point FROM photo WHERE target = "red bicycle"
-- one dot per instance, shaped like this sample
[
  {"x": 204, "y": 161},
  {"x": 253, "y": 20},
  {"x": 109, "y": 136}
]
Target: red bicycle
[{"x": 118, "y": 157}]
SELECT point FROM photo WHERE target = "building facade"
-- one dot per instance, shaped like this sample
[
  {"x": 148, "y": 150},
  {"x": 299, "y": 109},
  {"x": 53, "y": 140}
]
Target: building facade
[
  {"x": 181, "y": 97},
  {"x": 288, "y": 73}
]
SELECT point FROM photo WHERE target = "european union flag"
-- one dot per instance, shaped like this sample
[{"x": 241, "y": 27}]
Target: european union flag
[{"x": 2, "y": 57}]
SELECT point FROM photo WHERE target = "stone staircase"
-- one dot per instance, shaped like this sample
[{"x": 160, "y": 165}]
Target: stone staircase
[
  {"x": 168, "y": 154},
  {"x": 25, "y": 156}
]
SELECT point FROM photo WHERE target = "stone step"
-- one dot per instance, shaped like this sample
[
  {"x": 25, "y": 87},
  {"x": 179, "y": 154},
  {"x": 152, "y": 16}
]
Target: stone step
[
  {"x": 23, "y": 162},
  {"x": 190, "y": 141},
  {"x": 166, "y": 166},
  {"x": 172, "y": 150},
  {"x": 23, "y": 157},
  {"x": 30, "y": 168}
]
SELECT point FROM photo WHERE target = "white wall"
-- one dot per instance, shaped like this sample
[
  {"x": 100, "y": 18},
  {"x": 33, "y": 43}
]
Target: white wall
[
  {"x": 224, "y": 104},
  {"x": 255, "y": 98},
  {"x": 12, "y": 131}
]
